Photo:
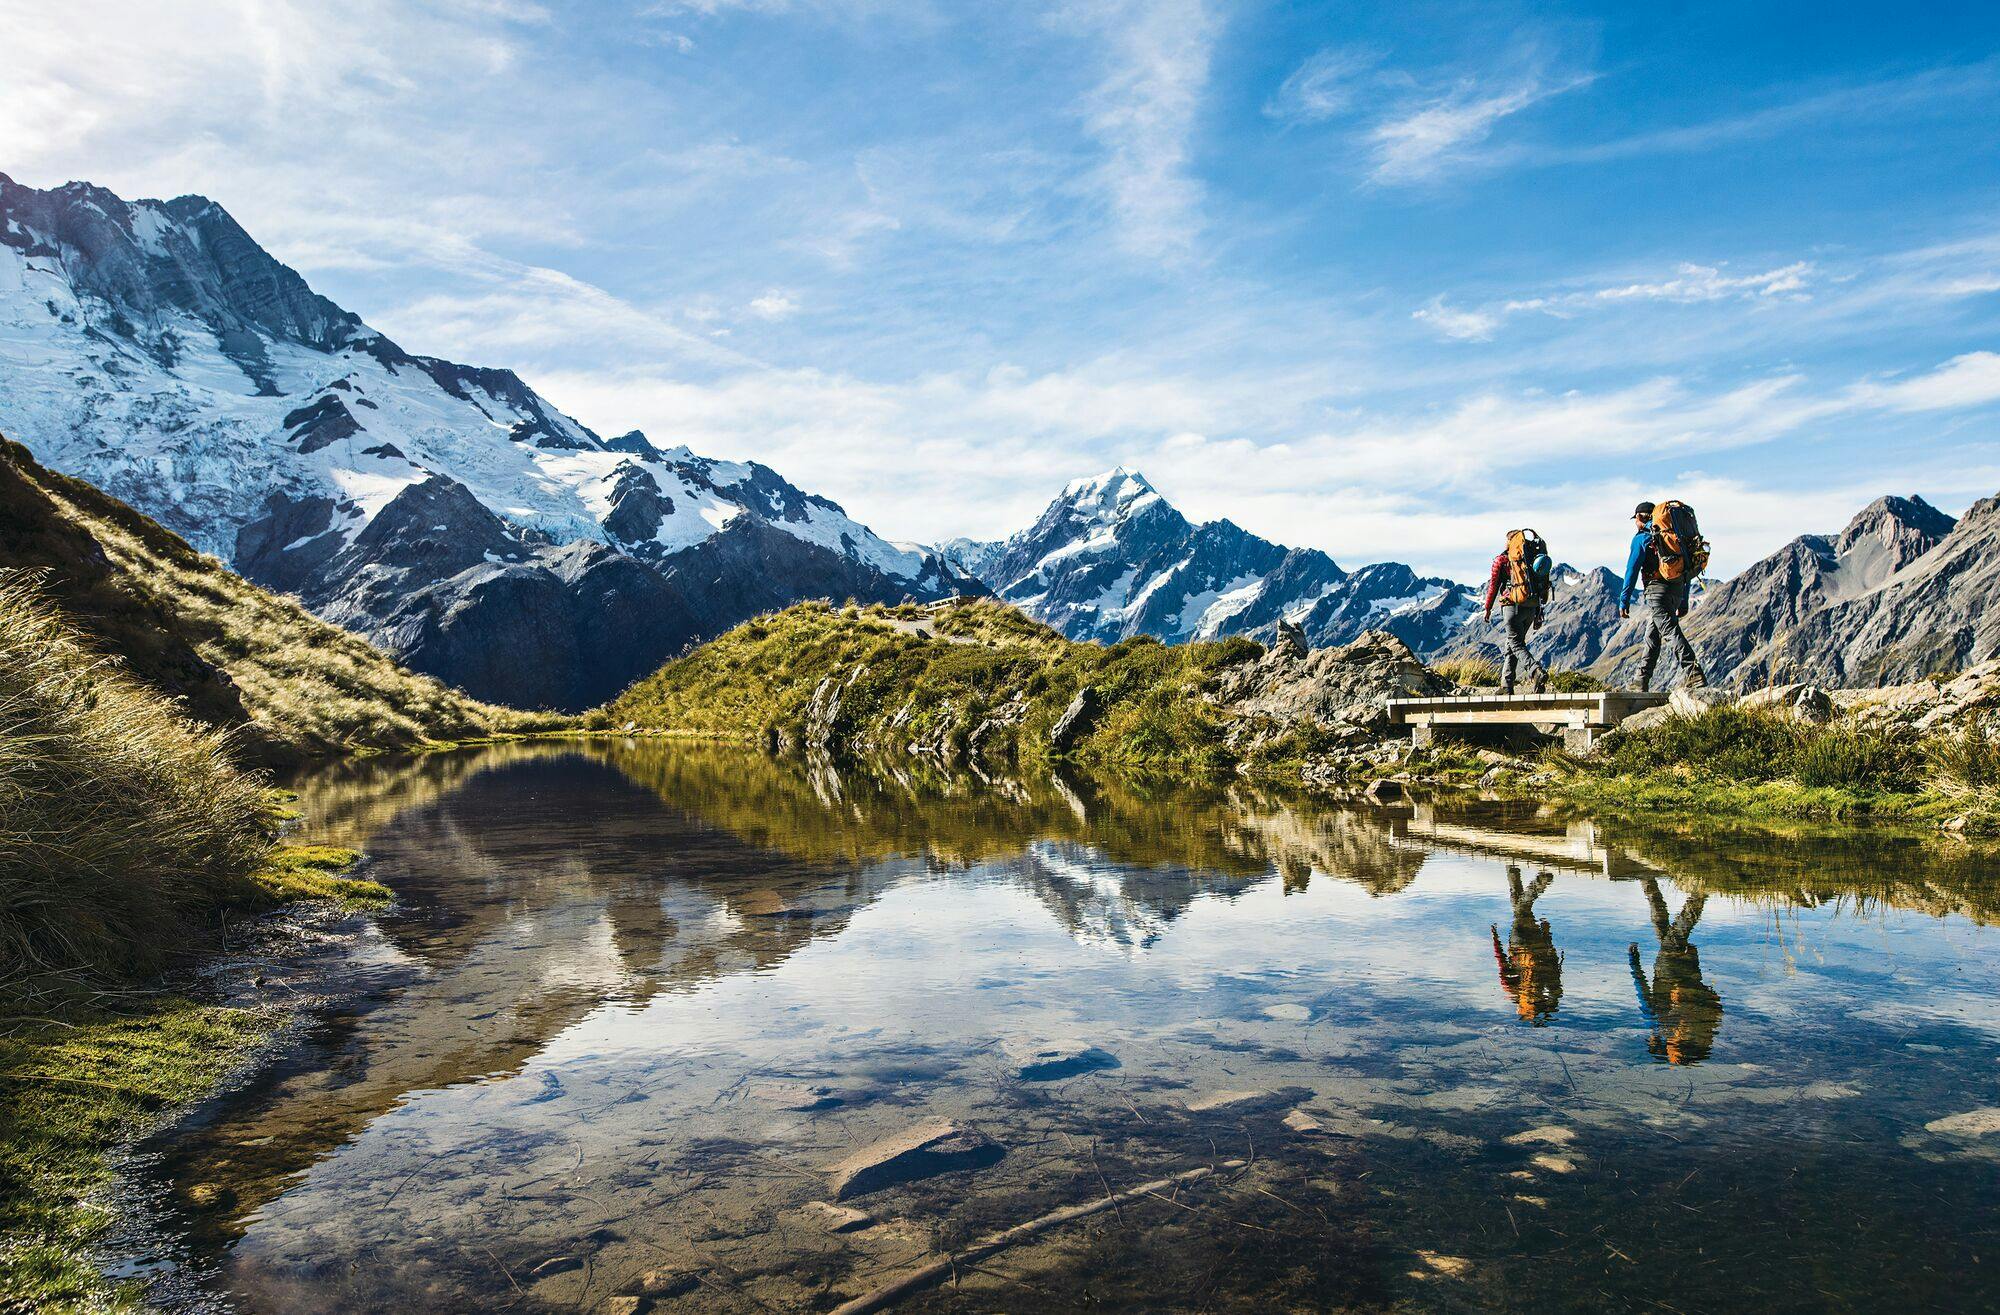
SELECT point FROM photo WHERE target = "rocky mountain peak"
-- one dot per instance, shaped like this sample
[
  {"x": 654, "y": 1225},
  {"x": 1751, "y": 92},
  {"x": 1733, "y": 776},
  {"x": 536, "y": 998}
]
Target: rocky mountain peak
[
  {"x": 1112, "y": 495},
  {"x": 1908, "y": 522}
]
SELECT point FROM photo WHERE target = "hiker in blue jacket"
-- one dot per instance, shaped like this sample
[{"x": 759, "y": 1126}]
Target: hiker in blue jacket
[{"x": 1666, "y": 604}]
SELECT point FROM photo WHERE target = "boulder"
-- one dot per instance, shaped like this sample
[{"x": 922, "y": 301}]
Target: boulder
[
  {"x": 1694, "y": 702},
  {"x": 1640, "y": 721},
  {"x": 1076, "y": 721},
  {"x": 1384, "y": 792},
  {"x": 1291, "y": 641},
  {"x": 1805, "y": 702},
  {"x": 938, "y": 1146}
]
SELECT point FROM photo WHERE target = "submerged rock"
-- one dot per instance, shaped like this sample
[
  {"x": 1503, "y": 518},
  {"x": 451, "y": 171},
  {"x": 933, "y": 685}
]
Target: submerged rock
[
  {"x": 1052, "y": 1061},
  {"x": 666, "y": 1282},
  {"x": 839, "y": 1218},
  {"x": 1549, "y": 1134},
  {"x": 1232, "y": 1101},
  {"x": 929, "y": 1149},
  {"x": 1303, "y": 1123},
  {"x": 555, "y": 1265},
  {"x": 1972, "y": 1123}
]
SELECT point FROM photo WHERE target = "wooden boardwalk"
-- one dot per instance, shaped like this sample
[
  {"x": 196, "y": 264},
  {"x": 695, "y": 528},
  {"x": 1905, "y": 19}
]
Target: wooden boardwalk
[{"x": 1578, "y": 718}]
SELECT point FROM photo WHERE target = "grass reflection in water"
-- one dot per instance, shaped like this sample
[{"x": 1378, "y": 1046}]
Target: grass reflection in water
[{"x": 638, "y": 996}]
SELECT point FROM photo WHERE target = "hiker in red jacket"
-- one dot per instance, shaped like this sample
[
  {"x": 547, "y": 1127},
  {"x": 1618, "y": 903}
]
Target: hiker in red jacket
[{"x": 1520, "y": 579}]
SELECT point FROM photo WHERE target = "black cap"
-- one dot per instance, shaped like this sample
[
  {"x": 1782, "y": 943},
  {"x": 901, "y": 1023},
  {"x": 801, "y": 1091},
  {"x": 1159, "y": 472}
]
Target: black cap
[{"x": 1643, "y": 509}]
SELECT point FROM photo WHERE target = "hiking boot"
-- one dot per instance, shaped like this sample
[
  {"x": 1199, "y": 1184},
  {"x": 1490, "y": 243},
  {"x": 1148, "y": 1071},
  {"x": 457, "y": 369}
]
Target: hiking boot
[{"x": 1542, "y": 683}]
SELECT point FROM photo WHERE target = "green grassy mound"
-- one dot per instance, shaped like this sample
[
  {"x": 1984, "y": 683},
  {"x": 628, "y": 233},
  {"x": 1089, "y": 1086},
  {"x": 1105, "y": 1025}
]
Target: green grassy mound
[{"x": 987, "y": 679}]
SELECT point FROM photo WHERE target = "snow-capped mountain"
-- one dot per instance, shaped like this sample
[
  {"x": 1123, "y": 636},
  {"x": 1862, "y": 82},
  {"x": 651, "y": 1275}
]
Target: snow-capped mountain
[
  {"x": 447, "y": 511},
  {"x": 1110, "y": 558}
]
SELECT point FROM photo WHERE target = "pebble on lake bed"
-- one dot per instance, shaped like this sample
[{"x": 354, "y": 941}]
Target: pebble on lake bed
[
  {"x": 1554, "y": 1163},
  {"x": 1223, "y": 1100},
  {"x": 666, "y": 1282},
  {"x": 1288, "y": 1013}
]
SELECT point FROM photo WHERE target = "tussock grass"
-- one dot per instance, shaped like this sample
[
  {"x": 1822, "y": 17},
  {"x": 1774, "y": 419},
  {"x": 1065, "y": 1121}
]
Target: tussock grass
[
  {"x": 118, "y": 818},
  {"x": 1968, "y": 757},
  {"x": 1470, "y": 672}
]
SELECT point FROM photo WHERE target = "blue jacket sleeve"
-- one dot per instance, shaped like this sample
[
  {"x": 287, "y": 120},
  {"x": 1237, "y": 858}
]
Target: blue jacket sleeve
[{"x": 1635, "y": 562}]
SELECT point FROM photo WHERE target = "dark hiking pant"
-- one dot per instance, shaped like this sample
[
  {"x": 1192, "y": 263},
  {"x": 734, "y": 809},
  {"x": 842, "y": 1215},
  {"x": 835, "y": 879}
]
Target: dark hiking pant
[
  {"x": 1665, "y": 601},
  {"x": 1516, "y": 619}
]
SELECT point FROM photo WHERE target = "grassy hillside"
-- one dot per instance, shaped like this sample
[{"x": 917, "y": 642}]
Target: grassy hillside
[
  {"x": 972, "y": 679},
  {"x": 127, "y": 836},
  {"x": 291, "y": 685}
]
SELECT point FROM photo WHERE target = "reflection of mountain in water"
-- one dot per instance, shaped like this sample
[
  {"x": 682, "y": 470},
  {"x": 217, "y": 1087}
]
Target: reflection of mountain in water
[
  {"x": 534, "y": 886},
  {"x": 540, "y": 882},
  {"x": 1118, "y": 907}
]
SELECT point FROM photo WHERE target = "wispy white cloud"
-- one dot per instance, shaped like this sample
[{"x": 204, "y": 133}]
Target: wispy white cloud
[
  {"x": 1331, "y": 82},
  {"x": 773, "y": 305},
  {"x": 1452, "y": 322},
  {"x": 1689, "y": 283},
  {"x": 1421, "y": 142},
  {"x": 1964, "y": 381},
  {"x": 942, "y": 454},
  {"x": 1871, "y": 102},
  {"x": 1143, "y": 113}
]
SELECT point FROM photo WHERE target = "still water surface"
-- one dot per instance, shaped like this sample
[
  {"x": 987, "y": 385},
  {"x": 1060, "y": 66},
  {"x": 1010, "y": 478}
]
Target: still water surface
[{"x": 637, "y": 997}]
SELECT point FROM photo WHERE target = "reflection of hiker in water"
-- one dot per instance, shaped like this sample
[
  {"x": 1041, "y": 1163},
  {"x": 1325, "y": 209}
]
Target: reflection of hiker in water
[
  {"x": 1684, "y": 1010},
  {"x": 1530, "y": 966}
]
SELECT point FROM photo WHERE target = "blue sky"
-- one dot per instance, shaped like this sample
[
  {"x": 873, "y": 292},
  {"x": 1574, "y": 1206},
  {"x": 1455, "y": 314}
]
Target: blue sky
[{"x": 1384, "y": 279}]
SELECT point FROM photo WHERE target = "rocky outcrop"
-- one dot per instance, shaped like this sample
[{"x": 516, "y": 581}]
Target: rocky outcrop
[
  {"x": 1075, "y": 722},
  {"x": 1336, "y": 689}
]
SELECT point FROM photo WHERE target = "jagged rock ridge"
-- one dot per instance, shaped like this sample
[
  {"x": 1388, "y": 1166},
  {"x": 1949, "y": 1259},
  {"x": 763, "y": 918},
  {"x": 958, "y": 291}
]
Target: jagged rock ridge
[{"x": 1110, "y": 558}]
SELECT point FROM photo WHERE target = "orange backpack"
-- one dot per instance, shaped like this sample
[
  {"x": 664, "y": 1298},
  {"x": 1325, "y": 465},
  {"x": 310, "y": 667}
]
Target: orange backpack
[
  {"x": 1678, "y": 547},
  {"x": 1523, "y": 547}
]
